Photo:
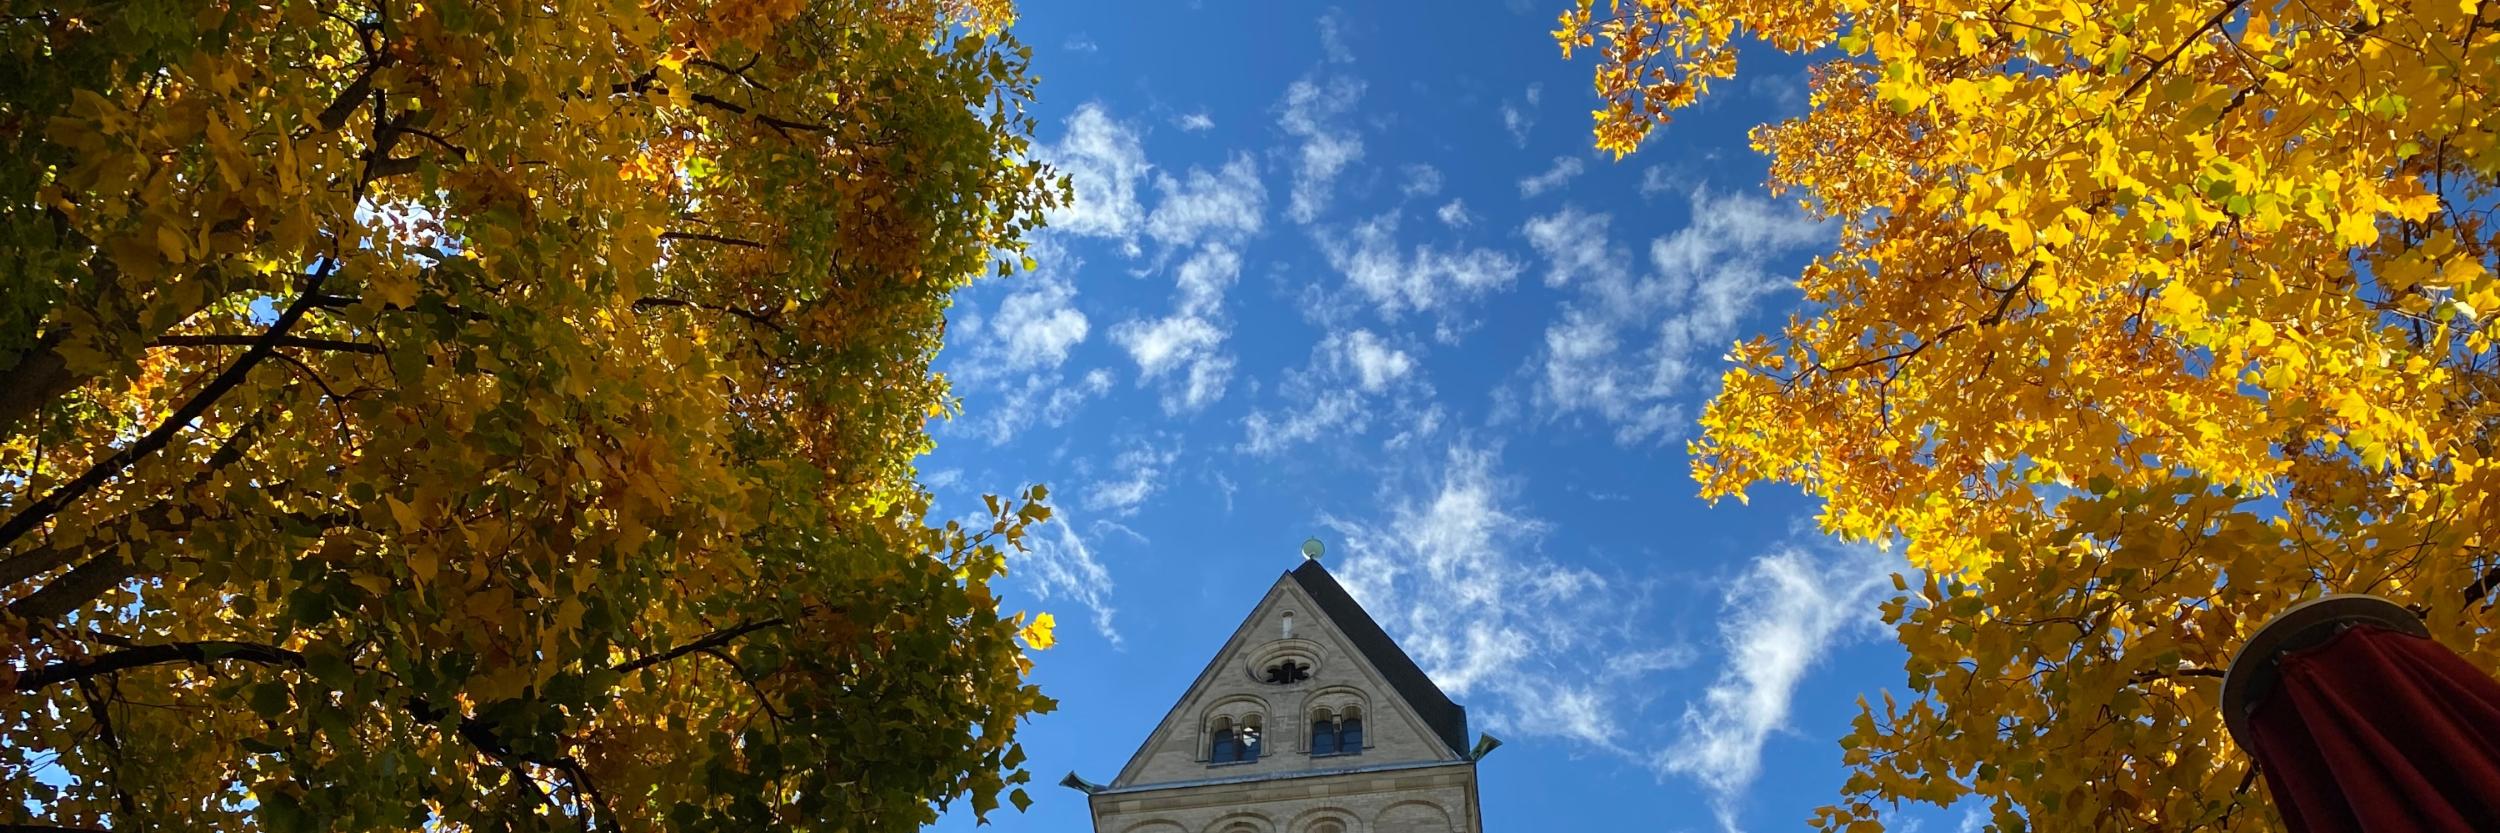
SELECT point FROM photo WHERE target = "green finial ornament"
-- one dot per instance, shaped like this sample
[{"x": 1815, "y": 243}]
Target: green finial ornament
[{"x": 1312, "y": 549}]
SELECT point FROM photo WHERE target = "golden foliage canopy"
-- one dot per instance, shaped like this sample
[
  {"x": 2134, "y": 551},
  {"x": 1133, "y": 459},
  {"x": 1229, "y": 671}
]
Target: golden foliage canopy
[
  {"x": 485, "y": 415},
  {"x": 2147, "y": 319}
]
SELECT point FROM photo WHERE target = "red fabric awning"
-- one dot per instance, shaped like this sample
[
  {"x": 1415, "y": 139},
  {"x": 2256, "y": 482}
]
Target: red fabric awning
[{"x": 2376, "y": 731}]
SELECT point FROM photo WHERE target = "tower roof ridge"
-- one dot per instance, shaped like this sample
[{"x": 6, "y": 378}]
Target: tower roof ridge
[{"x": 1447, "y": 719}]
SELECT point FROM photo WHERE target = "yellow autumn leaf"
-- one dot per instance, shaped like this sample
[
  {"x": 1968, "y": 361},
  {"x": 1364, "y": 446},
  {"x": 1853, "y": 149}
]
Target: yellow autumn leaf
[
  {"x": 2147, "y": 324},
  {"x": 1038, "y": 633},
  {"x": 404, "y": 514},
  {"x": 574, "y": 419}
]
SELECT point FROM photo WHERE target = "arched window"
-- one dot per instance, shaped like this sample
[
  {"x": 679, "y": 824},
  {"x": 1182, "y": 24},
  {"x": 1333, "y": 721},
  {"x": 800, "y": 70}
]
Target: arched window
[
  {"x": 1337, "y": 733},
  {"x": 1225, "y": 747},
  {"x": 1327, "y": 826},
  {"x": 1230, "y": 743}
]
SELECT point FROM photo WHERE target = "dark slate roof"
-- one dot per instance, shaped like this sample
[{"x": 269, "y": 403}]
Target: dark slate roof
[{"x": 1447, "y": 720}]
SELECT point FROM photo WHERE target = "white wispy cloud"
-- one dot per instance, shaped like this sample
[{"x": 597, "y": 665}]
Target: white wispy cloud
[
  {"x": 1047, "y": 399},
  {"x": 1226, "y": 487},
  {"x": 1188, "y": 343},
  {"x": 1011, "y": 368},
  {"x": 1452, "y": 569},
  {"x": 1565, "y": 167},
  {"x": 1332, "y": 37},
  {"x": 1519, "y": 119},
  {"x": 1374, "y": 362},
  {"x": 1037, "y": 326},
  {"x": 1080, "y": 42},
  {"x": 1786, "y": 92},
  {"x": 1353, "y": 376},
  {"x": 1535, "y": 647},
  {"x": 1788, "y": 610},
  {"x": 1422, "y": 180},
  {"x": 1311, "y": 113},
  {"x": 1057, "y": 564},
  {"x": 1454, "y": 214},
  {"x": 1161, "y": 345},
  {"x": 1628, "y": 350},
  {"x": 1033, "y": 327},
  {"x": 1396, "y": 279},
  {"x": 1228, "y": 204},
  {"x": 1416, "y": 426},
  {"x": 1303, "y": 419},
  {"x": 1139, "y": 474},
  {"x": 1104, "y": 160},
  {"x": 1574, "y": 245},
  {"x": 1664, "y": 177},
  {"x": 1195, "y": 122}
]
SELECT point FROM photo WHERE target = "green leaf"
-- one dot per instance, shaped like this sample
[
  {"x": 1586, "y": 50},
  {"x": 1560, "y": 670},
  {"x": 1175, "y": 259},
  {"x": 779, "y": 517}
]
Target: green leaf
[{"x": 270, "y": 699}]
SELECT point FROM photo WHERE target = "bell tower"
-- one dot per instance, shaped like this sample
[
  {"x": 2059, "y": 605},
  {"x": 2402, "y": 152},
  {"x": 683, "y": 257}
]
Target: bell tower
[{"x": 1309, "y": 720}]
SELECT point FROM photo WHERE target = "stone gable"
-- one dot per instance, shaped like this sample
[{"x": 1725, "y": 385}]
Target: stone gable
[{"x": 1304, "y": 661}]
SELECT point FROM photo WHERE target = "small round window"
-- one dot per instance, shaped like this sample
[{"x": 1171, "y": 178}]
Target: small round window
[{"x": 1283, "y": 662}]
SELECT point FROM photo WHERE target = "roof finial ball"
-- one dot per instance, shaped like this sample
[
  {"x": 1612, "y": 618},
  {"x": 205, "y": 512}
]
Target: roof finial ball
[{"x": 1312, "y": 548}]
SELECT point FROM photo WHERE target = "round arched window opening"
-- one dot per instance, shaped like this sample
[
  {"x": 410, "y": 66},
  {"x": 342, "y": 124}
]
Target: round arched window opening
[
  {"x": 1231, "y": 743},
  {"x": 1337, "y": 732}
]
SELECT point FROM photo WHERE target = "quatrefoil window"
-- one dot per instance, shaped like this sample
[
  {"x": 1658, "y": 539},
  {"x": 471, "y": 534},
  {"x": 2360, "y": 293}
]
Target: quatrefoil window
[{"x": 1287, "y": 671}]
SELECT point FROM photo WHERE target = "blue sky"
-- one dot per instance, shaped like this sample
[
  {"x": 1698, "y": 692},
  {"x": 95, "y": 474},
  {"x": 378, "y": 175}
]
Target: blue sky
[{"x": 1354, "y": 273}]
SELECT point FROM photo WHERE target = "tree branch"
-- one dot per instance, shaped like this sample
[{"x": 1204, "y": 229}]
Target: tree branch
[
  {"x": 200, "y": 653},
  {"x": 775, "y": 122},
  {"x": 2192, "y": 671},
  {"x": 112, "y": 465},
  {"x": 710, "y": 641},
  {"x": 159, "y": 515},
  {"x": 2184, "y": 43},
  {"x": 2481, "y": 589},
  {"x": 387, "y": 167},
  {"x": 334, "y": 117},
  {"x": 76, "y": 587},
  {"x": 247, "y": 340},
  {"x": 712, "y": 238},
  {"x": 759, "y": 318}
]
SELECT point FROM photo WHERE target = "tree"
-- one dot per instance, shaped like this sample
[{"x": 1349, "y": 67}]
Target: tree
[
  {"x": 2145, "y": 320},
  {"x": 483, "y": 415}
]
